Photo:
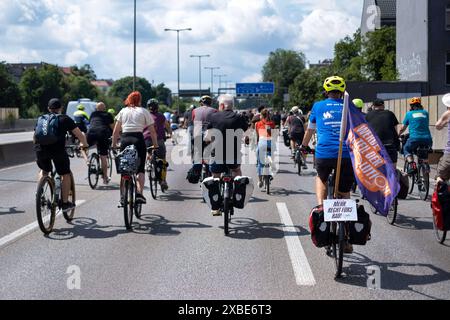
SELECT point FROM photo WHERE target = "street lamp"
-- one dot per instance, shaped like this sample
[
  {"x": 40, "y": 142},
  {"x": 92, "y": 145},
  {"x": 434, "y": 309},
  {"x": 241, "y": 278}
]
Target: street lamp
[
  {"x": 200, "y": 69},
  {"x": 178, "y": 57},
  {"x": 134, "y": 60},
  {"x": 220, "y": 76},
  {"x": 212, "y": 77}
]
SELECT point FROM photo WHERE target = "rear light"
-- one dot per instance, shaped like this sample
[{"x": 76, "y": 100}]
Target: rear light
[{"x": 227, "y": 179}]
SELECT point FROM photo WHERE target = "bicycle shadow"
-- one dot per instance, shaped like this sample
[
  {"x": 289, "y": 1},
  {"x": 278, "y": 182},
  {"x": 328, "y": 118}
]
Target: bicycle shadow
[
  {"x": 282, "y": 192},
  {"x": 175, "y": 196},
  {"x": 257, "y": 200},
  {"x": 251, "y": 229},
  {"x": 392, "y": 277},
  {"x": 108, "y": 187},
  {"x": 413, "y": 223},
  {"x": 10, "y": 210},
  {"x": 153, "y": 224}
]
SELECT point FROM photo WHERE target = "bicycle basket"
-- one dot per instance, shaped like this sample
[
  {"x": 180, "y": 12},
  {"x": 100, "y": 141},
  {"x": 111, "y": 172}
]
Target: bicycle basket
[{"x": 128, "y": 160}]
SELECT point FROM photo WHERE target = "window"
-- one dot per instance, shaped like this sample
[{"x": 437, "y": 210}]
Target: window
[
  {"x": 447, "y": 18},
  {"x": 447, "y": 68}
]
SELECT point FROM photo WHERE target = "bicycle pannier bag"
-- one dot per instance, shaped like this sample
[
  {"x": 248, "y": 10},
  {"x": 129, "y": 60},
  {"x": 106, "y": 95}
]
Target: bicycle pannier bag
[
  {"x": 129, "y": 160},
  {"x": 243, "y": 191},
  {"x": 404, "y": 185},
  {"x": 211, "y": 193},
  {"x": 47, "y": 129},
  {"x": 359, "y": 231},
  {"x": 320, "y": 230},
  {"x": 440, "y": 204},
  {"x": 193, "y": 175},
  {"x": 159, "y": 168},
  {"x": 286, "y": 139}
]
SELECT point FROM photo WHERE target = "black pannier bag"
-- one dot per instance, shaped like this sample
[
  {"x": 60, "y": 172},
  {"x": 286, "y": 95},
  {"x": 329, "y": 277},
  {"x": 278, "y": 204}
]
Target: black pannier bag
[
  {"x": 359, "y": 231},
  {"x": 320, "y": 230}
]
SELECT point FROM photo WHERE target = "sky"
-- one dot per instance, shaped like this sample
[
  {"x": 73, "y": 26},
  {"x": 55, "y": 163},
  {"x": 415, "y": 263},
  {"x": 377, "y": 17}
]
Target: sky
[{"x": 237, "y": 34}]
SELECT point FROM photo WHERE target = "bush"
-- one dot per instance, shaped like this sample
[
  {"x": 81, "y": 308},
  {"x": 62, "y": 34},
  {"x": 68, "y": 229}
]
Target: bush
[{"x": 33, "y": 112}]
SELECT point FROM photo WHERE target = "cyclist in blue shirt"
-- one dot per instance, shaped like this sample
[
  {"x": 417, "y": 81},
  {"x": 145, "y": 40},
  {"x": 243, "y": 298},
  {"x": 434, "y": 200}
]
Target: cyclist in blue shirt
[{"x": 419, "y": 131}]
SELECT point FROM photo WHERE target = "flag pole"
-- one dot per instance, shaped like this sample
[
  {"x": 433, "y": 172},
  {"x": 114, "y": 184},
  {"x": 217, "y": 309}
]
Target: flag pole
[{"x": 341, "y": 143}]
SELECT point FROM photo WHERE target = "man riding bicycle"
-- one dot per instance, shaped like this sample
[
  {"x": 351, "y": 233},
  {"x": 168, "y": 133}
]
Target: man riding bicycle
[
  {"x": 56, "y": 152},
  {"x": 264, "y": 129},
  {"x": 326, "y": 118},
  {"x": 419, "y": 132},
  {"x": 227, "y": 128},
  {"x": 81, "y": 118},
  {"x": 161, "y": 125},
  {"x": 99, "y": 133}
]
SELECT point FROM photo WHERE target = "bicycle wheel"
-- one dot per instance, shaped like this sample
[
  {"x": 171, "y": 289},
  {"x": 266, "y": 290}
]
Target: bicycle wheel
[
  {"x": 94, "y": 171},
  {"x": 392, "y": 214},
  {"x": 299, "y": 163},
  {"x": 267, "y": 182},
  {"x": 153, "y": 181},
  {"x": 411, "y": 177},
  {"x": 138, "y": 210},
  {"x": 110, "y": 164},
  {"x": 45, "y": 207},
  {"x": 340, "y": 243},
  {"x": 226, "y": 215},
  {"x": 128, "y": 203},
  {"x": 440, "y": 235},
  {"x": 72, "y": 198},
  {"x": 423, "y": 183}
]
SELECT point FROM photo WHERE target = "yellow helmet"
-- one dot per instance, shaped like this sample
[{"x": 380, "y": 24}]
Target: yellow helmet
[
  {"x": 358, "y": 103},
  {"x": 80, "y": 107},
  {"x": 334, "y": 83}
]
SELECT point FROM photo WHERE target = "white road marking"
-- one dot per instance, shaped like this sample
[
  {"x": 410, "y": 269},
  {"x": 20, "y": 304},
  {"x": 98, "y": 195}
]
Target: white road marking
[
  {"x": 300, "y": 264},
  {"x": 22, "y": 232}
]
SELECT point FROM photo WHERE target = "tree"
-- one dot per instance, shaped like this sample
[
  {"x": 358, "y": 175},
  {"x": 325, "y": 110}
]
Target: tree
[
  {"x": 282, "y": 67},
  {"x": 123, "y": 87},
  {"x": 379, "y": 55},
  {"x": 84, "y": 71},
  {"x": 76, "y": 87},
  {"x": 347, "y": 61},
  {"x": 163, "y": 94},
  {"x": 9, "y": 90}
]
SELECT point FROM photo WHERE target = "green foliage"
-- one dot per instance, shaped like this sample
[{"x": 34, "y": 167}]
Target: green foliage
[
  {"x": 84, "y": 71},
  {"x": 123, "y": 87},
  {"x": 347, "y": 61},
  {"x": 77, "y": 87},
  {"x": 282, "y": 67},
  {"x": 33, "y": 112},
  {"x": 9, "y": 91},
  {"x": 163, "y": 94}
]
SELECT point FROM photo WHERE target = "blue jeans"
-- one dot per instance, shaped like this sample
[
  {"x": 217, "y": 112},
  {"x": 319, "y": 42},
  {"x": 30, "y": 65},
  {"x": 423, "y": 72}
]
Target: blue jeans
[
  {"x": 263, "y": 149},
  {"x": 412, "y": 145}
]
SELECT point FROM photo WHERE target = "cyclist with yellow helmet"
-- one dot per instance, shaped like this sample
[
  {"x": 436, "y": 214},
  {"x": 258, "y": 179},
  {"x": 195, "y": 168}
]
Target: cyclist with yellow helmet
[
  {"x": 359, "y": 103},
  {"x": 419, "y": 131}
]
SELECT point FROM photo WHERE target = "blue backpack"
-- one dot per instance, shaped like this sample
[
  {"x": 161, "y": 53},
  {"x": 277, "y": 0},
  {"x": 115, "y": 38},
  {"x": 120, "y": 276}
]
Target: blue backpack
[{"x": 47, "y": 129}]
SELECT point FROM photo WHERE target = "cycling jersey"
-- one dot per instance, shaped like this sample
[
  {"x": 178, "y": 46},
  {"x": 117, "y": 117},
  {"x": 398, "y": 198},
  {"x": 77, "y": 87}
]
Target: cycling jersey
[
  {"x": 327, "y": 116},
  {"x": 418, "y": 122}
]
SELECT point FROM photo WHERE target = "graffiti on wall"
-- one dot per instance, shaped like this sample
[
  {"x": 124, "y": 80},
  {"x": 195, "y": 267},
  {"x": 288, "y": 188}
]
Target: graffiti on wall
[{"x": 410, "y": 68}]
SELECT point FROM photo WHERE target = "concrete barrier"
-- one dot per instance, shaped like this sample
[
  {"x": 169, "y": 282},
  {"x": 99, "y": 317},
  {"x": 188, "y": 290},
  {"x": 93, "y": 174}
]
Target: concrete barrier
[{"x": 16, "y": 153}]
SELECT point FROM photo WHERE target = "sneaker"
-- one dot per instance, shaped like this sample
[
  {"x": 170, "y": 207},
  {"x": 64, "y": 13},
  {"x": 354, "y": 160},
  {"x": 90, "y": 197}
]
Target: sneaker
[
  {"x": 348, "y": 248},
  {"x": 140, "y": 199},
  {"x": 164, "y": 186},
  {"x": 106, "y": 181},
  {"x": 121, "y": 203},
  {"x": 260, "y": 184},
  {"x": 216, "y": 213},
  {"x": 68, "y": 206},
  {"x": 305, "y": 167}
]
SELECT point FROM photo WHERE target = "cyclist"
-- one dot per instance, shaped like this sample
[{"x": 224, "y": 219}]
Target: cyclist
[
  {"x": 296, "y": 124},
  {"x": 81, "y": 118},
  {"x": 174, "y": 125},
  {"x": 420, "y": 136},
  {"x": 200, "y": 119},
  {"x": 264, "y": 129},
  {"x": 56, "y": 152},
  {"x": 161, "y": 125},
  {"x": 326, "y": 117},
  {"x": 359, "y": 103},
  {"x": 226, "y": 120},
  {"x": 443, "y": 168},
  {"x": 112, "y": 112},
  {"x": 99, "y": 133},
  {"x": 384, "y": 123},
  {"x": 130, "y": 124}
]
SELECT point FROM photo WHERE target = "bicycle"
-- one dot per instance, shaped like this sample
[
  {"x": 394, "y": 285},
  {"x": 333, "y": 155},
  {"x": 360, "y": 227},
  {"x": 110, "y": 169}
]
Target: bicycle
[
  {"x": 206, "y": 173},
  {"x": 226, "y": 192},
  {"x": 421, "y": 174},
  {"x": 267, "y": 170},
  {"x": 154, "y": 171},
  {"x": 298, "y": 159},
  {"x": 49, "y": 198},
  {"x": 128, "y": 191}
]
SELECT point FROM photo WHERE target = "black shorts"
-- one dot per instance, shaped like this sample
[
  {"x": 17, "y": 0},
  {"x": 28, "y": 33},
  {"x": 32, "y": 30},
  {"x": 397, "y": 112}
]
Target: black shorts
[
  {"x": 223, "y": 168},
  {"x": 393, "y": 153},
  {"x": 99, "y": 139},
  {"x": 324, "y": 168},
  {"x": 297, "y": 137},
  {"x": 137, "y": 139},
  {"x": 59, "y": 157}
]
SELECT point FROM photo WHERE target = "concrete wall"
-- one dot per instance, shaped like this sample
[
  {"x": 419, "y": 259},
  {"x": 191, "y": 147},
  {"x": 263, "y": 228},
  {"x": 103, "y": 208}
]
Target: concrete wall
[
  {"x": 18, "y": 125},
  {"x": 369, "y": 91},
  {"x": 412, "y": 39}
]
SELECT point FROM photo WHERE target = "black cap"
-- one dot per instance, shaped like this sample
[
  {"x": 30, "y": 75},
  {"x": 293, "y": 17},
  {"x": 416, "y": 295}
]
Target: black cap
[
  {"x": 54, "y": 104},
  {"x": 378, "y": 102}
]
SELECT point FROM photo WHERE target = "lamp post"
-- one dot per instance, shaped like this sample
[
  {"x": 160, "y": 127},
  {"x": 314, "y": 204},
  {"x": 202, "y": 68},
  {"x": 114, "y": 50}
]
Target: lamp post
[
  {"x": 220, "y": 76},
  {"x": 200, "y": 56},
  {"x": 212, "y": 77},
  {"x": 178, "y": 58},
  {"x": 134, "y": 59}
]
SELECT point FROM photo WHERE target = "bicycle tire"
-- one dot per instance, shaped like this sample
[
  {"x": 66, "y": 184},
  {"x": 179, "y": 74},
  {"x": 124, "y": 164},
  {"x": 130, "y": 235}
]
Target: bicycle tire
[
  {"x": 267, "y": 182},
  {"x": 440, "y": 235},
  {"x": 138, "y": 210},
  {"x": 340, "y": 252},
  {"x": 110, "y": 164},
  {"x": 226, "y": 215},
  {"x": 411, "y": 177},
  {"x": 93, "y": 170},
  {"x": 45, "y": 204},
  {"x": 392, "y": 214},
  {"x": 423, "y": 183},
  {"x": 153, "y": 181},
  {"x": 72, "y": 198},
  {"x": 128, "y": 204},
  {"x": 299, "y": 163}
]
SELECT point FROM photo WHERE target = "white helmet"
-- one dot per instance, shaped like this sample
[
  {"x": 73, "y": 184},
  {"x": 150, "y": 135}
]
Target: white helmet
[
  {"x": 446, "y": 100},
  {"x": 295, "y": 109}
]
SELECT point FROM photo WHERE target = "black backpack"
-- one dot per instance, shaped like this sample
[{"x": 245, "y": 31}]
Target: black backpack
[
  {"x": 47, "y": 131},
  {"x": 193, "y": 176}
]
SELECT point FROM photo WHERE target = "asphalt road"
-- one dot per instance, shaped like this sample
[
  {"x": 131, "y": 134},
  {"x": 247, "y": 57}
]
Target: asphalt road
[{"x": 178, "y": 250}]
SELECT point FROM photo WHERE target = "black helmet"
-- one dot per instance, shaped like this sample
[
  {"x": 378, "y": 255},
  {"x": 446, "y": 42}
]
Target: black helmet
[
  {"x": 54, "y": 104},
  {"x": 152, "y": 103},
  {"x": 206, "y": 100}
]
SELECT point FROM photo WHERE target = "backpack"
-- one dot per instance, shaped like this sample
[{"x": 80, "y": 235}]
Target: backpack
[
  {"x": 320, "y": 230},
  {"x": 47, "y": 130},
  {"x": 359, "y": 231},
  {"x": 404, "y": 185},
  {"x": 298, "y": 124},
  {"x": 440, "y": 204},
  {"x": 243, "y": 190}
]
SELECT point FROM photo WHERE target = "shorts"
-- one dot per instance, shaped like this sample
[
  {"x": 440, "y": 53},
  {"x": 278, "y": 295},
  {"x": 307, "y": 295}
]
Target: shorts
[
  {"x": 392, "y": 152},
  {"x": 411, "y": 146},
  {"x": 161, "y": 151},
  {"x": 99, "y": 139},
  {"x": 443, "y": 168},
  {"x": 223, "y": 168},
  {"x": 137, "y": 139},
  {"x": 297, "y": 137},
  {"x": 60, "y": 159},
  {"x": 325, "y": 167}
]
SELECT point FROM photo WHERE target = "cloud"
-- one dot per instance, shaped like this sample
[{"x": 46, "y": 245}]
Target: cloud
[{"x": 239, "y": 35}]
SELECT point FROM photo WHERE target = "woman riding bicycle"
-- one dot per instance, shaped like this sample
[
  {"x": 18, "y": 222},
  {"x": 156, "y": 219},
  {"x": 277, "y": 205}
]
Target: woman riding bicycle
[
  {"x": 264, "y": 129},
  {"x": 131, "y": 122}
]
